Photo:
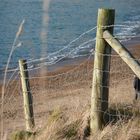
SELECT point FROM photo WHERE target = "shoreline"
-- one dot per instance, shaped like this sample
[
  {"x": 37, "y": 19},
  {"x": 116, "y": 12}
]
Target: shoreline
[{"x": 73, "y": 62}]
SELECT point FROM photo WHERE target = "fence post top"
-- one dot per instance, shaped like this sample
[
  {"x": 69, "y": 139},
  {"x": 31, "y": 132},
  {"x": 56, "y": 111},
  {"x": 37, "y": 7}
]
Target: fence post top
[
  {"x": 22, "y": 60},
  {"x": 106, "y": 9}
]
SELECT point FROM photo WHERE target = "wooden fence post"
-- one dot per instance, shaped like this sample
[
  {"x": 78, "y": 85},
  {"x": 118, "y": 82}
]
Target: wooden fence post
[
  {"x": 99, "y": 96},
  {"x": 126, "y": 56},
  {"x": 28, "y": 107}
]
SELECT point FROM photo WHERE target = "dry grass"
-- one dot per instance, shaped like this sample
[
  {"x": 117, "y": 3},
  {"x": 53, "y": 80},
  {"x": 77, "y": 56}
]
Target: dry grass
[
  {"x": 60, "y": 127},
  {"x": 122, "y": 130},
  {"x": 63, "y": 125},
  {"x": 62, "y": 108}
]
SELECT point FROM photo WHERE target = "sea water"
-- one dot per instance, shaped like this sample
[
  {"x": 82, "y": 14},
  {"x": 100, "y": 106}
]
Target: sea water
[{"x": 68, "y": 19}]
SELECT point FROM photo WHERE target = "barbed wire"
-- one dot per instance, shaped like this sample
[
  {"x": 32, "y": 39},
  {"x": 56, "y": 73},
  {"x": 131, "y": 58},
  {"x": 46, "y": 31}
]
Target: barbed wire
[
  {"x": 40, "y": 59},
  {"x": 65, "y": 46},
  {"x": 112, "y": 55},
  {"x": 13, "y": 77},
  {"x": 67, "y": 72},
  {"x": 116, "y": 36},
  {"x": 67, "y": 54}
]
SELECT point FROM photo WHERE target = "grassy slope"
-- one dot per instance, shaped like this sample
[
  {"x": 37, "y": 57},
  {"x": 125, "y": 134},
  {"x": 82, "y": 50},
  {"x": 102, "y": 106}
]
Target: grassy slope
[{"x": 62, "y": 108}]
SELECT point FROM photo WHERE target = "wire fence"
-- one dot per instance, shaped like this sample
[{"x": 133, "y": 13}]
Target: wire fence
[{"x": 68, "y": 87}]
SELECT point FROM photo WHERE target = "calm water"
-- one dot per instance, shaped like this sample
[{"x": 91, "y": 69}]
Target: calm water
[{"x": 67, "y": 20}]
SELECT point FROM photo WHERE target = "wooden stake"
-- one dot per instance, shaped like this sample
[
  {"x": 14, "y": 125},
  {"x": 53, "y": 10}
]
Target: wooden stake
[
  {"x": 99, "y": 96},
  {"x": 27, "y": 96},
  {"x": 123, "y": 52}
]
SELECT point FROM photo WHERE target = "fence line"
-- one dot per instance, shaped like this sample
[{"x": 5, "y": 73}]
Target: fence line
[
  {"x": 72, "y": 84},
  {"x": 71, "y": 70},
  {"x": 112, "y": 55},
  {"x": 116, "y": 36},
  {"x": 74, "y": 70}
]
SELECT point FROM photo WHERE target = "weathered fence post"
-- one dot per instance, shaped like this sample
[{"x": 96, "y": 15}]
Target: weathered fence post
[
  {"x": 126, "y": 56},
  {"x": 99, "y": 96},
  {"x": 28, "y": 107}
]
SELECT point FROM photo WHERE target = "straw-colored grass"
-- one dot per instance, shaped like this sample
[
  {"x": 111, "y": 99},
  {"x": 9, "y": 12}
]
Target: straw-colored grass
[
  {"x": 60, "y": 126},
  {"x": 62, "y": 108}
]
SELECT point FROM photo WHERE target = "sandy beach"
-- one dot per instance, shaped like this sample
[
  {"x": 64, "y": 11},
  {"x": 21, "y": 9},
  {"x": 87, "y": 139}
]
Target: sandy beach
[{"x": 68, "y": 89}]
